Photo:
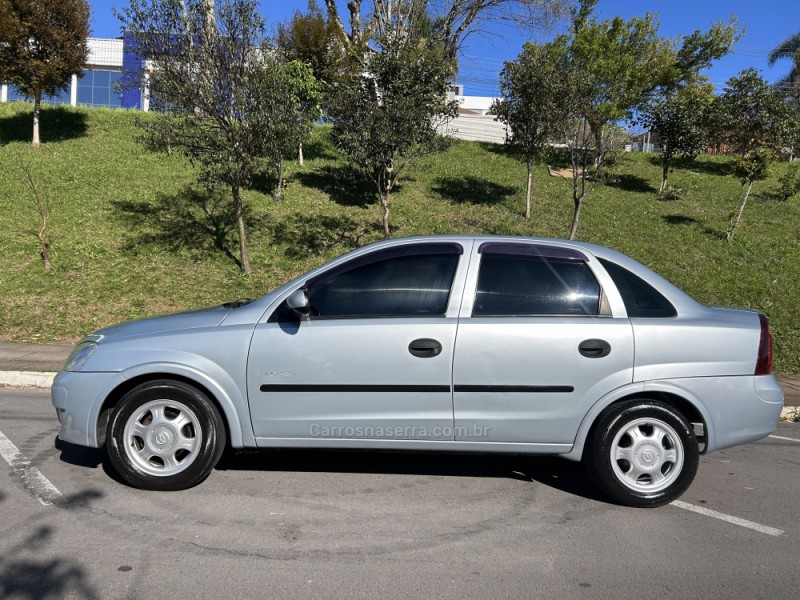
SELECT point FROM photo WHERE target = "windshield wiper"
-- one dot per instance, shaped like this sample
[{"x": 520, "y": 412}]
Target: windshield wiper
[{"x": 238, "y": 303}]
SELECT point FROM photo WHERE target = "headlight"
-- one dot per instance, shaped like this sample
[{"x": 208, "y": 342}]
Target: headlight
[{"x": 80, "y": 355}]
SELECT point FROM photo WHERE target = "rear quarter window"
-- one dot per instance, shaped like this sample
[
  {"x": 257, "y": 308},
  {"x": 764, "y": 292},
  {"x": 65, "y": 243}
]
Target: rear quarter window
[{"x": 641, "y": 299}]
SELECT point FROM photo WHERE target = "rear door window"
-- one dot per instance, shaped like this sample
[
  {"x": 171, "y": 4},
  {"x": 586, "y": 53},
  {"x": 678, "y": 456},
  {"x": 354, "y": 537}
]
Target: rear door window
[{"x": 530, "y": 285}]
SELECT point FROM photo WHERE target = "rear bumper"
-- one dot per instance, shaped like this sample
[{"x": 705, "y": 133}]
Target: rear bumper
[{"x": 738, "y": 410}]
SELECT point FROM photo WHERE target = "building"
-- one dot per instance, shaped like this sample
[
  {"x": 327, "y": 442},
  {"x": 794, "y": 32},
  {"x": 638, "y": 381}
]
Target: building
[
  {"x": 101, "y": 83},
  {"x": 646, "y": 141}
]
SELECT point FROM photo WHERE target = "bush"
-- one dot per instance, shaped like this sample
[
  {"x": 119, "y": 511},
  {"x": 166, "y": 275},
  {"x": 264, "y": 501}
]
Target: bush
[
  {"x": 672, "y": 194},
  {"x": 789, "y": 183}
]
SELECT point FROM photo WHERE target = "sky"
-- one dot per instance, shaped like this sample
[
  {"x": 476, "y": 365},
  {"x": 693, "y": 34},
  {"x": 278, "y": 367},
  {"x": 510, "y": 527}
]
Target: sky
[{"x": 766, "y": 23}]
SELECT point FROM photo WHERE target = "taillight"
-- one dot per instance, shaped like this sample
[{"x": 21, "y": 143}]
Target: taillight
[{"x": 764, "y": 360}]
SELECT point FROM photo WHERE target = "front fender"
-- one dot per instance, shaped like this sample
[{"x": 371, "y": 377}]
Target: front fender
[{"x": 218, "y": 382}]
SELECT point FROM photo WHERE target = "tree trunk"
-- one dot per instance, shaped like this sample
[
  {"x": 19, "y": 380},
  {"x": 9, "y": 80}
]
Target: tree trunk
[
  {"x": 576, "y": 218},
  {"x": 664, "y": 175},
  {"x": 528, "y": 193},
  {"x": 37, "y": 104},
  {"x": 278, "y": 195},
  {"x": 385, "y": 203},
  {"x": 300, "y": 156},
  {"x": 385, "y": 183},
  {"x": 735, "y": 222},
  {"x": 597, "y": 131},
  {"x": 43, "y": 208},
  {"x": 45, "y": 245},
  {"x": 244, "y": 260}
]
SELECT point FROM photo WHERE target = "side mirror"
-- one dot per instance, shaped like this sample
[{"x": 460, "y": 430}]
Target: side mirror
[{"x": 298, "y": 303}]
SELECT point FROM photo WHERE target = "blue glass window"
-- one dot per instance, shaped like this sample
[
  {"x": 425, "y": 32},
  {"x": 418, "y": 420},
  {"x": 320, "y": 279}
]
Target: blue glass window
[
  {"x": 15, "y": 94},
  {"x": 84, "y": 92},
  {"x": 63, "y": 97},
  {"x": 115, "y": 87},
  {"x": 100, "y": 88},
  {"x": 100, "y": 79}
]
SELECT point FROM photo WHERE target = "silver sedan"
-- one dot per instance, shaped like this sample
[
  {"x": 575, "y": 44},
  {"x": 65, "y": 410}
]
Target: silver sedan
[{"x": 445, "y": 343}]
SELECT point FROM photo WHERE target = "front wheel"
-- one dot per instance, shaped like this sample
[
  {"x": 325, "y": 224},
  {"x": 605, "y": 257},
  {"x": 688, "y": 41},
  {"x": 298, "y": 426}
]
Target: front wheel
[
  {"x": 642, "y": 453},
  {"x": 165, "y": 435}
]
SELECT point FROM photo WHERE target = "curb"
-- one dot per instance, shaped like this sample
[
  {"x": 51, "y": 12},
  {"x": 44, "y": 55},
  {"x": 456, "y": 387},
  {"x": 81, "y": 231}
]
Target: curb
[
  {"x": 36, "y": 379},
  {"x": 790, "y": 413},
  {"x": 40, "y": 379}
]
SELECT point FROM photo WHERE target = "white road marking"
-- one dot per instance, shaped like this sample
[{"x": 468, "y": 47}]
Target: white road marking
[
  {"x": 780, "y": 437},
  {"x": 32, "y": 478},
  {"x": 728, "y": 518}
]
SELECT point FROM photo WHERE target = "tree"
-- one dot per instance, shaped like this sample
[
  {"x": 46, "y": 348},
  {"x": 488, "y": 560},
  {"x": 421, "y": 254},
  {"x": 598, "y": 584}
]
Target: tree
[
  {"x": 313, "y": 41},
  {"x": 533, "y": 103},
  {"x": 43, "y": 43},
  {"x": 295, "y": 105},
  {"x": 586, "y": 163},
  {"x": 385, "y": 116},
  {"x": 624, "y": 63},
  {"x": 754, "y": 123},
  {"x": 317, "y": 42},
  {"x": 620, "y": 62},
  {"x": 43, "y": 210},
  {"x": 212, "y": 79},
  {"x": 680, "y": 117},
  {"x": 788, "y": 49},
  {"x": 614, "y": 68},
  {"x": 453, "y": 20}
]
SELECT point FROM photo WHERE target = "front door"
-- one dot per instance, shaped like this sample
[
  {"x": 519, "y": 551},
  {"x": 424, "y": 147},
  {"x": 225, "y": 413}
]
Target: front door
[{"x": 374, "y": 358}]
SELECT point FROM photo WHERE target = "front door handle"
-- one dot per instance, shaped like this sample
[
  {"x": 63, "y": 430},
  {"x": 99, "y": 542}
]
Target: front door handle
[
  {"x": 425, "y": 348},
  {"x": 594, "y": 348}
]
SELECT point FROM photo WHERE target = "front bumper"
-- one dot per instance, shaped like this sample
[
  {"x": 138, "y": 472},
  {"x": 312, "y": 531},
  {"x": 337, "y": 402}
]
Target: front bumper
[{"x": 78, "y": 398}]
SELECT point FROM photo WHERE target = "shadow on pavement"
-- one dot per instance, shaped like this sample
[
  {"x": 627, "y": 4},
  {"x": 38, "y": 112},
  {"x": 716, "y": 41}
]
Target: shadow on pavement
[
  {"x": 79, "y": 455},
  {"x": 554, "y": 472},
  {"x": 36, "y": 578}
]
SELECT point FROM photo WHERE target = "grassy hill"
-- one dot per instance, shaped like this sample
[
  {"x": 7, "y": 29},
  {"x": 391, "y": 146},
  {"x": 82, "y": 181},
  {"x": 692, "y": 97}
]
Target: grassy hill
[{"x": 132, "y": 236}]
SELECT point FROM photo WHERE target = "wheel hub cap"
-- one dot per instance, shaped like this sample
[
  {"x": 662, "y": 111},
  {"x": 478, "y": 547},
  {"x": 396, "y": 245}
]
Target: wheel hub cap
[
  {"x": 648, "y": 455},
  {"x": 163, "y": 438}
]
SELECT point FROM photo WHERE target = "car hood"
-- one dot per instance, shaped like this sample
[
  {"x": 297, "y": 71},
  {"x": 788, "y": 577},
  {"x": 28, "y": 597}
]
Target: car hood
[{"x": 193, "y": 319}]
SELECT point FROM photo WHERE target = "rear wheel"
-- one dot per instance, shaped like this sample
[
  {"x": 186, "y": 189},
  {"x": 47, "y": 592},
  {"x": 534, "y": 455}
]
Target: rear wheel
[
  {"x": 642, "y": 453},
  {"x": 165, "y": 435}
]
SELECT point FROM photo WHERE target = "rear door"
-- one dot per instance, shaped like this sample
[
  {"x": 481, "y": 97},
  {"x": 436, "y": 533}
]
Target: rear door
[{"x": 538, "y": 344}]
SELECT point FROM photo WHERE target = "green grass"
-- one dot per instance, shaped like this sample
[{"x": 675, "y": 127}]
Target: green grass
[{"x": 129, "y": 240}]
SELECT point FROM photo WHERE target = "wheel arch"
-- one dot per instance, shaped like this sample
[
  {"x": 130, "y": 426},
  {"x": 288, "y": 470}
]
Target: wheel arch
[
  {"x": 677, "y": 397},
  {"x": 236, "y": 435}
]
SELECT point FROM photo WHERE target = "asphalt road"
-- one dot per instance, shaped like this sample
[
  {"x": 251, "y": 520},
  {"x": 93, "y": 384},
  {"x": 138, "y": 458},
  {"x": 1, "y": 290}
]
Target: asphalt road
[{"x": 357, "y": 525}]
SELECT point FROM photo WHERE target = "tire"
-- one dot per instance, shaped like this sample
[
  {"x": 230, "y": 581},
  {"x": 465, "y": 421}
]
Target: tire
[
  {"x": 164, "y": 436},
  {"x": 642, "y": 453}
]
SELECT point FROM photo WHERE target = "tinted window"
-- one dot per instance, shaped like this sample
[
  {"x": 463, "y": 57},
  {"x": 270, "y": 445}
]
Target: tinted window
[
  {"x": 99, "y": 88},
  {"x": 641, "y": 299},
  {"x": 527, "y": 285},
  {"x": 417, "y": 285}
]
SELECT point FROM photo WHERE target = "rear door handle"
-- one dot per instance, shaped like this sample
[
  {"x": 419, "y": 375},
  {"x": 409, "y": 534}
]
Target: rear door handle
[
  {"x": 425, "y": 348},
  {"x": 594, "y": 348}
]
